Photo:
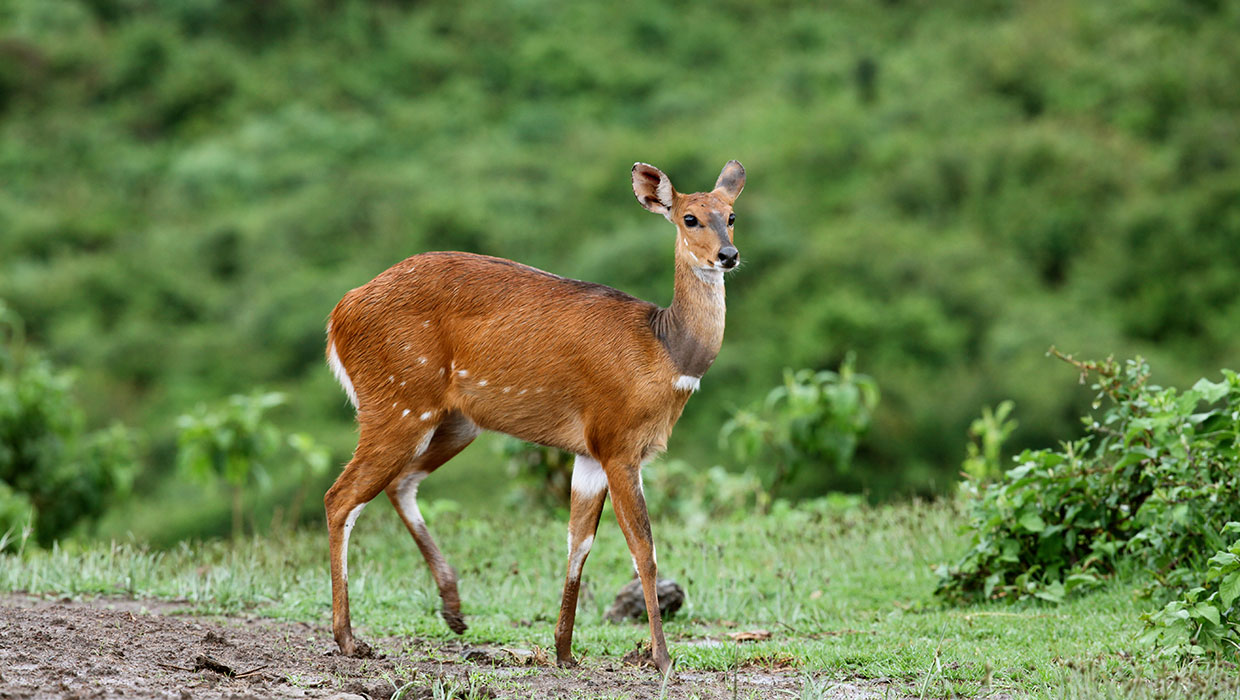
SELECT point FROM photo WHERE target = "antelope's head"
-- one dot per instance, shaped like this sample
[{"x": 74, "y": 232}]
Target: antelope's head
[{"x": 703, "y": 220}]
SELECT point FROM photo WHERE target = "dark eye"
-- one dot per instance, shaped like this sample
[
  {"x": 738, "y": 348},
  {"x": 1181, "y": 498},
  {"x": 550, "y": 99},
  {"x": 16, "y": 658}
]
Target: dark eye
[
  {"x": 690, "y": 220},
  {"x": 731, "y": 219}
]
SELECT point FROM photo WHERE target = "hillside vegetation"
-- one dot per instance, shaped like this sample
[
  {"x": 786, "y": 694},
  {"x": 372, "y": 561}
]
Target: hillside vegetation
[{"x": 945, "y": 188}]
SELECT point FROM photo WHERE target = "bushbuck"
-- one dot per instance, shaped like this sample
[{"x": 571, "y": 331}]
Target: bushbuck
[{"x": 444, "y": 345}]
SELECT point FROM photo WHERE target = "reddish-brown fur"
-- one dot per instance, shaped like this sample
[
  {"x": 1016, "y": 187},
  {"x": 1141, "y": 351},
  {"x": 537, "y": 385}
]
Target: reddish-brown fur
[{"x": 444, "y": 344}]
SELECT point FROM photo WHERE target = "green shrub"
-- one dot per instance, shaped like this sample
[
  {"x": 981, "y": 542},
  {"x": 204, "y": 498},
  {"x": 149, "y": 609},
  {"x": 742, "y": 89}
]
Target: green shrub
[
  {"x": 813, "y": 421},
  {"x": 676, "y": 489},
  {"x": 541, "y": 475},
  {"x": 1149, "y": 483},
  {"x": 238, "y": 445},
  {"x": 51, "y": 467},
  {"x": 1204, "y": 618}
]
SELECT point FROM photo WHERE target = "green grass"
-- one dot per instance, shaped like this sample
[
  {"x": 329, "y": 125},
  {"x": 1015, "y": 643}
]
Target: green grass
[{"x": 844, "y": 595}]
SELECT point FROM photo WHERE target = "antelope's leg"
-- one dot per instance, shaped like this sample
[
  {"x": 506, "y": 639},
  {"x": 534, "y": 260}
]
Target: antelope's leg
[
  {"x": 624, "y": 482},
  {"x": 452, "y": 436},
  {"x": 588, "y": 495},
  {"x": 380, "y": 456}
]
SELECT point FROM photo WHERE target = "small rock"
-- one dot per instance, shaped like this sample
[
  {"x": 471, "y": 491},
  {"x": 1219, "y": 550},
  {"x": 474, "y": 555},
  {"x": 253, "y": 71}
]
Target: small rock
[{"x": 630, "y": 603}]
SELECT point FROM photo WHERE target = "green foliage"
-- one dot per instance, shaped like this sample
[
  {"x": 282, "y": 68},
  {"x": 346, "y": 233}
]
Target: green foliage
[
  {"x": 541, "y": 475},
  {"x": 236, "y": 443},
  {"x": 51, "y": 466},
  {"x": 1149, "y": 483},
  {"x": 1203, "y": 619},
  {"x": 694, "y": 497},
  {"x": 986, "y": 437},
  {"x": 805, "y": 427}
]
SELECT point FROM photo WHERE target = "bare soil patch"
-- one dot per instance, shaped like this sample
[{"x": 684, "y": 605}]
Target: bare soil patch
[{"x": 146, "y": 649}]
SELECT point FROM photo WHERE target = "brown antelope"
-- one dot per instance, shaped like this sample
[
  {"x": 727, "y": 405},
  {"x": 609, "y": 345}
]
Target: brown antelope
[{"x": 443, "y": 345}]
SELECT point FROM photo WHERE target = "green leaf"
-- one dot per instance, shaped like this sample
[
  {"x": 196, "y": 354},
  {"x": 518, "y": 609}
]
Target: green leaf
[
  {"x": 1032, "y": 522},
  {"x": 1207, "y": 611},
  {"x": 1210, "y": 391},
  {"x": 1229, "y": 589}
]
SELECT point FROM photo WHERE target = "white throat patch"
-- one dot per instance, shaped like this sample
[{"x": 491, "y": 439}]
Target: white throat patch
[{"x": 686, "y": 382}]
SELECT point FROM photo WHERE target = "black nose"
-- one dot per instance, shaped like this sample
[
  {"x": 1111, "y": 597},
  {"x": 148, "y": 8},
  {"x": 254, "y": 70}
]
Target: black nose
[{"x": 728, "y": 256}]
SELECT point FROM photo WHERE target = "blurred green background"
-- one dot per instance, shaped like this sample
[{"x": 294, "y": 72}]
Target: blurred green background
[{"x": 943, "y": 188}]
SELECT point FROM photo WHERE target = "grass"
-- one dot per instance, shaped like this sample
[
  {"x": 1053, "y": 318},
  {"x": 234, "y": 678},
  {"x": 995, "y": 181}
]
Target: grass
[{"x": 845, "y": 595}]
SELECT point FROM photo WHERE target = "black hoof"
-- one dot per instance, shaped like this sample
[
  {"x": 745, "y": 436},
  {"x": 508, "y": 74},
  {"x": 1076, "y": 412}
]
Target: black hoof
[{"x": 455, "y": 621}]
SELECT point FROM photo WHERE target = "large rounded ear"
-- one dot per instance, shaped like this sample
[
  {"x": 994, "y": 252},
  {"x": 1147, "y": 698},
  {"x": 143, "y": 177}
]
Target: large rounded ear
[
  {"x": 653, "y": 189},
  {"x": 731, "y": 181}
]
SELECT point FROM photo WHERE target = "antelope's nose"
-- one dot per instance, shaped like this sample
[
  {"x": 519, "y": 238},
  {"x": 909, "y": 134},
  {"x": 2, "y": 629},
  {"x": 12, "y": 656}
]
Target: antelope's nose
[{"x": 728, "y": 256}]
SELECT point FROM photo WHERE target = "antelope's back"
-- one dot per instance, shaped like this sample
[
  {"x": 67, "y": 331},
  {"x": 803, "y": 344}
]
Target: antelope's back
[{"x": 516, "y": 349}]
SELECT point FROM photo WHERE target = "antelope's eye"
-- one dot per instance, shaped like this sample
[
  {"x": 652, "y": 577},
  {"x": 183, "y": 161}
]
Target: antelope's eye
[
  {"x": 731, "y": 219},
  {"x": 690, "y": 220}
]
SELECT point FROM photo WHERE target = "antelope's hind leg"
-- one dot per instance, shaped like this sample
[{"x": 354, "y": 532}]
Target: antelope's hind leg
[
  {"x": 454, "y": 433},
  {"x": 588, "y": 495},
  {"x": 382, "y": 453}
]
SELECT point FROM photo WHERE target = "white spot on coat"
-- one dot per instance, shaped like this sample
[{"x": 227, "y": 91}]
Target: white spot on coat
[
  {"x": 462, "y": 373},
  {"x": 483, "y": 382},
  {"x": 426, "y": 416},
  {"x": 421, "y": 360},
  {"x": 404, "y": 413},
  {"x": 588, "y": 476},
  {"x": 686, "y": 382},
  {"x": 342, "y": 376}
]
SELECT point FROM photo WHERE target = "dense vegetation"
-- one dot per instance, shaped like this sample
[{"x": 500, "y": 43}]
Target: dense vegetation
[
  {"x": 1153, "y": 486},
  {"x": 944, "y": 188}
]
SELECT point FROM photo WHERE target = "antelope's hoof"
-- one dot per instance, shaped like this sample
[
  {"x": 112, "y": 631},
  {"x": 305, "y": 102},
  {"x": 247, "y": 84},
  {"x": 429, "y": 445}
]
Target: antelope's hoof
[
  {"x": 357, "y": 650},
  {"x": 566, "y": 662},
  {"x": 456, "y": 622}
]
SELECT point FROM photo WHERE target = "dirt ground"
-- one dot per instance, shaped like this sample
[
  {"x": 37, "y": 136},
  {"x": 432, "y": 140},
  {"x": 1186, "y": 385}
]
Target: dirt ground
[{"x": 144, "y": 649}]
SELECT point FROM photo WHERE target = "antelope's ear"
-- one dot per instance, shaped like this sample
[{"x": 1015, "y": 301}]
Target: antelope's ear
[
  {"x": 731, "y": 181},
  {"x": 653, "y": 190}
]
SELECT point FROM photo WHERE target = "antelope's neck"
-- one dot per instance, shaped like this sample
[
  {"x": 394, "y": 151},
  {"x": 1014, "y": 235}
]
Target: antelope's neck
[{"x": 691, "y": 329}]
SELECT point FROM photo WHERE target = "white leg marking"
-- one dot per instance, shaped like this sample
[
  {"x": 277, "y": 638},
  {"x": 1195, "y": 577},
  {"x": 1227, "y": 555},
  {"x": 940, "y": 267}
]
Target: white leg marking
[
  {"x": 588, "y": 476},
  {"x": 579, "y": 557},
  {"x": 686, "y": 382},
  {"x": 407, "y": 495},
  {"x": 344, "y": 548},
  {"x": 342, "y": 376},
  {"x": 423, "y": 443}
]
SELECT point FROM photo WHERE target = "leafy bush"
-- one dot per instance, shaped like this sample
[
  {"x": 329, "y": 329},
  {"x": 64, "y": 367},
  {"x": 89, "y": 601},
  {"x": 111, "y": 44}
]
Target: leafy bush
[
  {"x": 541, "y": 475},
  {"x": 236, "y": 444},
  {"x": 812, "y": 421},
  {"x": 1203, "y": 618},
  {"x": 1149, "y": 483},
  {"x": 51, "y": 467},
  {"x": 678, "y": 490}
]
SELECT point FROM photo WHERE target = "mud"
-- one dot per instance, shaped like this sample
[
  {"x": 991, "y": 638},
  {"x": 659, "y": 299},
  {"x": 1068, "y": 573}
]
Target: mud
[{"x": 136, "y": 649}]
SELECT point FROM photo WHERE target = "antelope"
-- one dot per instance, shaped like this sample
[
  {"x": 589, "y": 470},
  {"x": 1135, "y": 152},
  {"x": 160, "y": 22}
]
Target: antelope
[{"x": 445, "y": 344}]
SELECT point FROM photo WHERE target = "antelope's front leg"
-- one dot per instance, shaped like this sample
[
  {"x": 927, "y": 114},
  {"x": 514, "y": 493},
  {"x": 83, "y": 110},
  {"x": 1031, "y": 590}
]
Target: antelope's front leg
[
  {"x": 624, "y": 482},
  {"x": 589, "y": 494}
]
